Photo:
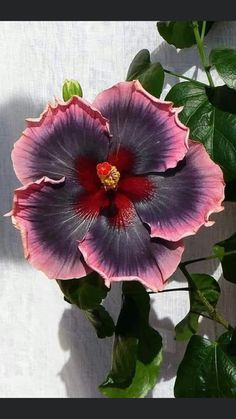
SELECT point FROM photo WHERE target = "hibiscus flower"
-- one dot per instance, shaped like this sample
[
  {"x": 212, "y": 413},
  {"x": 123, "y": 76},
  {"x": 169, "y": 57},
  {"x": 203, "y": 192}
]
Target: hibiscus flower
[{"x": 112, "y": 187}]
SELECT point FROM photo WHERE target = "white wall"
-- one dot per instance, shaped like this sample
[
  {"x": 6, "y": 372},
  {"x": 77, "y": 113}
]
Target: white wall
[{"x": 47, "y": 348}]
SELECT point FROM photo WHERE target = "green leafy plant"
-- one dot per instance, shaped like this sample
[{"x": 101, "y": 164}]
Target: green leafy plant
[{"x": 180, "y": 33}]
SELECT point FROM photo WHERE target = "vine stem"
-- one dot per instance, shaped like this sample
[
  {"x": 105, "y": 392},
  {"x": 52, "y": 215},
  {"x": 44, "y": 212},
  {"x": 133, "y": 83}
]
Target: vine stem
[
  {"x": 170, "y": 290},
  {"x": 203, "y": 30},
  {"x": 172, "y": 73},
  {"x": 214, "y": 314},
  {"x": 188, "y": 262},
  {"x": 200, "y": 46}
]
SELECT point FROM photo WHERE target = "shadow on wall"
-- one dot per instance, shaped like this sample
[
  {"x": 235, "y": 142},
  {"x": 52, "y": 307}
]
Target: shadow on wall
[
  {"x": 172, "y": 350},
  {"x": 89, "y": 357},
  {"x": 12, "y": 123},
  {"x": 179, "y": 61}
]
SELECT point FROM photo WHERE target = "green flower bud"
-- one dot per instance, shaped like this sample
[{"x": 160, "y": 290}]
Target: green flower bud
[{"x": 71, "y": 88}]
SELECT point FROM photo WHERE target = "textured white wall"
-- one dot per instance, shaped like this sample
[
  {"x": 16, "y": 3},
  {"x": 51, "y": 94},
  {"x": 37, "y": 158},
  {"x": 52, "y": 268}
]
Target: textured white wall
[{"x": 48, "y": 349}]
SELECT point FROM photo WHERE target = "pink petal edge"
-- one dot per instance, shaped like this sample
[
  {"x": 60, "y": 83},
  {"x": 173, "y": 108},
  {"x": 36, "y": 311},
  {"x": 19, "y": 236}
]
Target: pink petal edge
[
  {"x": 23, "y": 230},
  {"x": 205, "y": 218},
  {"x": 170, "y": 269}
]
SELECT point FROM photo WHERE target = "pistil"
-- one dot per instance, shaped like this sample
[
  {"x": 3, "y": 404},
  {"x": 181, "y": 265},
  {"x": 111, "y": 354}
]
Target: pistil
[{"x": 108, "y": 174}]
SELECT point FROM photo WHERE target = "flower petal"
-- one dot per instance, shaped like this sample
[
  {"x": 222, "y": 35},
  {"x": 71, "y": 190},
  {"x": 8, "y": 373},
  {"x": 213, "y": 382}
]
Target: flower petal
[
  {"x": 145, "y": 127},
  {"x": 137, "y": 188},
  {"x": 182, "y": 199},
  {"x": 52, "y": 216},
  {"x": 53, "y": 144},
  {"x": 119, "y": 248}
]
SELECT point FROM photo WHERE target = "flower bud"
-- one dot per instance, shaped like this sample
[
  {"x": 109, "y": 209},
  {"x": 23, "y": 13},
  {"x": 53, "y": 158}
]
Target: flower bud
[{"x": 71, "y": 88}]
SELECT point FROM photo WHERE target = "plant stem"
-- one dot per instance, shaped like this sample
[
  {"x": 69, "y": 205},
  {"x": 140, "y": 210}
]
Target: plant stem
[
  {"x": 188, "y": 262},
  {"x": 209, "y": 308},
  {"x": 170, "y": 290},
  {"x": 203, "y": 30},
  {"x": 200, "y": 46},
  {"x": 172, "y": 73}
]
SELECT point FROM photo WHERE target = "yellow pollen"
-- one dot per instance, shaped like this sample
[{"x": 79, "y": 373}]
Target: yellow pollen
[{"x": 108, "y": 175}]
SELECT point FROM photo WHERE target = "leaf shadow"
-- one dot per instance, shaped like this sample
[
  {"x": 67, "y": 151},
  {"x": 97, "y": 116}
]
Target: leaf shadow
[
  {"x": 12, "y": 123},
  {"x": 172, "y": 350},
  {"x": 89, "y": 358}
]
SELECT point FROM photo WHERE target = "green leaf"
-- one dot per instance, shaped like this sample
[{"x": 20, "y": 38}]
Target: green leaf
[
  {"x": 140, "y": 63},
  {"x": 180, "y": 33},
  {"x": 218, "y": 251},
  {"x": 222, "y": 98},
  {"x": 208, "y": 369},
  {"x": 127, "y": 334},
  {"x": 101, "y": 321},
  {"x": 209, "y": 124},
  {"x": 202, "y": 286},
  {"x": 71, "y": 88},
  {"x": 87, "y": 292},
  {"x": 137, "y": 352},
  {"x": 150, "y": 75},
  {"x": 228, "y": 262},
  {"x": 224, "y": 60},
  {"x": 123, "y": 364},
  {"x": 144, "y": 380}
]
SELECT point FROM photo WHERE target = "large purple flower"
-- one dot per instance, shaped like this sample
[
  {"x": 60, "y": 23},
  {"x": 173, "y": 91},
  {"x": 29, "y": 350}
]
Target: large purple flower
[{"x": 112, "y": 187}]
